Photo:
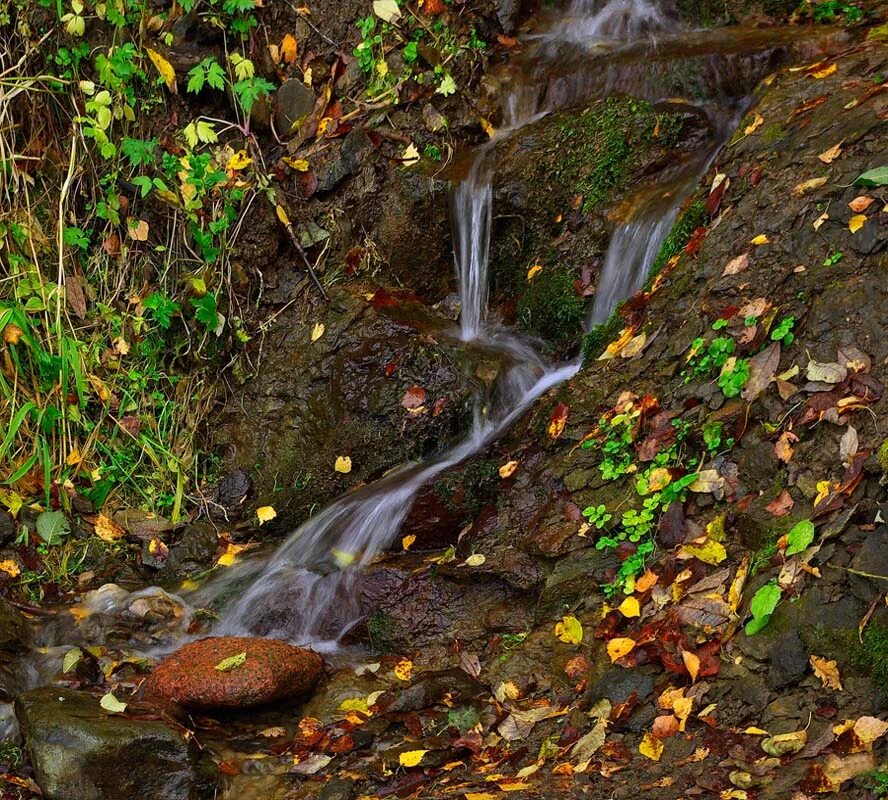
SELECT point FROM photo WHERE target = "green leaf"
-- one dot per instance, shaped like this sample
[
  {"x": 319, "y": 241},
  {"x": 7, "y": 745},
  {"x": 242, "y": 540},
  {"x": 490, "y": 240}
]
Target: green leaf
[
  {"x": 52, "y": 526},
  {"x": 874, "y": 177},
  {"x": 764, "y": 601},
  {"x": 447, "y": 86},
  {"x": 71, "y": 659},
  {"x": 196, "y": 79},
  {"x": 215, "y": 75},
  {"x": 162, "y": 309},
  {"x": 205, "y": 311},
  {"x": 110, "y": 703},
  {"x": 800, "y": 537},
  {"x": 232, "y": 662}
]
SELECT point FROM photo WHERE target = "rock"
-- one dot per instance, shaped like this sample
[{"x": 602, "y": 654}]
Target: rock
[
  {"x": 195, "y": 551},
  {"x": 293, "y": 102},
  {"x": 80, "y": 752},
  {"x": 272, "y": 670},
  {"x": 789, "y": 661},
  {"x": 232, "y": 490},
  {"x": 7, "y": 528},
  {"x": 15, "y": 633}
]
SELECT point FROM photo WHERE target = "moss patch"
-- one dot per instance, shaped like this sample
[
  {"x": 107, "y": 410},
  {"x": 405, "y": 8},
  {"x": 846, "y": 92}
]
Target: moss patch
[
  {"x": 872, "y": 654},
  {"x": 551, "y": 307}
]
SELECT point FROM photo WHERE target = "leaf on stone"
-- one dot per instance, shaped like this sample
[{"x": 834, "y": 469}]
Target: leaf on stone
[
  {"x": 692, "y": 663},
  {"x": 52, "y": 526},
  {"x": 108, "y": 530},
  {"x": 783, "y": 447},
  {"x": 403, "y": 669},
  {"x": 710, "y": 552},
  {"x": 111, "y": 704},
  {"x": 410, "y": 156},
  {"x": 759, "y": 240},
  {"x": 873, "y": 177},
  {"x": 800, "y": 537},
  {"x": 757, "y": 122},
  {"x": 569, "y": 630},
  {"x": 856, "y": 222},
  {"x": 868, "y": 729},
  {"x": 826, "y": 372},
  {"x": 232, "y": 662},
  {"x": 828, "y": 156},
  {"x": 848, "y": 445},
  {"x": 762, "y": 370},
  {"x": 860, "y": 204},
  {"x": 589, "y": 744},
  {"x": 809, "y": 186},
  {"x": 630, "y": 608},
  {"x": 411, "y": 758},
  {"x": 764, "y": 601},
  {"x": 508, "y": 469},
  {"x": 558, "y": 420},
  {"x": 535, "y": 270},
  {"x": 164, "y": 68},
  {"x": 343, "y": 464},
  {"x": 824, "y": 72},
  {"x": 736, "y": 265},
  {"x": 651, "y": 747},
  {"x": 827, "y": 671},
  {"x": 781, "y": 505},
  {"x": 414, "y": 398},
  {"x": 407, "y": 541},
  {"x": 475, "y": 560},
  {"x": 71, "y": 659},
  {"x": 707, "y": 480},
  {"x": 265, "y": 514},
  {"x": 785, "y": 743},
  {"x": 386, "y": 10},
  {"x": 617, "y": 648},
  {"x": 317, "y": 331}
]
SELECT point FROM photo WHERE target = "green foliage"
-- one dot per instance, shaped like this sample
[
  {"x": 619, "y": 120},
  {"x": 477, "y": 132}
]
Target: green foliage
[
  {"x": 703, "y": 358},
  {"x": 783, "y": 331},
  {"x": 831, "y": 11},
  {"x": 52, "y": 526},
  {"x": 597, "y": 516},
  {"x": 551, "y": 307},
  {"x": 800, "y": 537},
  {"x": 732, "y": 380},
  {"x": 693, "y": 217},
  {"x": 208, "y": 72},
  {"x": 762, "y": 607}
]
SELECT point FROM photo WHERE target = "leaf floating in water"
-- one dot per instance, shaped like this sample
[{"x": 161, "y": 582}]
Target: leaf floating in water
[
  {"x": 71, "y": 659},
  {"x": 232, "y": 662}
]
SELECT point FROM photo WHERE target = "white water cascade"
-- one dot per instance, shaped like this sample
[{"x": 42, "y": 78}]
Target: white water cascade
[{"x": 306, "y": 591}]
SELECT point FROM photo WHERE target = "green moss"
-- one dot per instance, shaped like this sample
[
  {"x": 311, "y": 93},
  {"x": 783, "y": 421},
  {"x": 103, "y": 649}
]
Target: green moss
[
  {"x": 721, "y": 12},
  {"x": 882, "y": 457},
  {"x": 872, "y": 653},
  {"x": 601, "y": 335},
  {"x": 693, "y": 217},
  {"x": 551, "y": 307},
  {"x": 382, "y": 628}
]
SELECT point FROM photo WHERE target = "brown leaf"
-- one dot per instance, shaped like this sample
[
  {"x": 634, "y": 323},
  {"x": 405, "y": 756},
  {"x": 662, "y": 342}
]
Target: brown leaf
[
  {"x": 828, "y": 156},
  {"x": 781, "y": 505},
  {"x": 414, "y": 398},
  {"x": 737, "y": 265},
  {"x": 75, "y": 296},
  {"x": 762, "y": 369},
  {"x": 860, "y": 204},
  {"x": 783, "y": 448},
  {"x": 827, "y": 671}
]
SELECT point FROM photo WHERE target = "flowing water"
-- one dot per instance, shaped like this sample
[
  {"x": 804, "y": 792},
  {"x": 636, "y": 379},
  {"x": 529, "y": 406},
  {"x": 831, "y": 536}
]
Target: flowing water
[{"x": 307, "y": 591}]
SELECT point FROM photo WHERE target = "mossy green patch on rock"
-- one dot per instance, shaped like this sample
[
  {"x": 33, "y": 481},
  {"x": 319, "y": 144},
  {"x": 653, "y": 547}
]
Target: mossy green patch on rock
[{"x": 551, "y": 307}]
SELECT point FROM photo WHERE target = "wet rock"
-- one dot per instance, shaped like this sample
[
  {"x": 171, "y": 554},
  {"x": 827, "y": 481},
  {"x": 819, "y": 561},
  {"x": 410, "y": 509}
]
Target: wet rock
[
  {"x": 341, "y": 160},
  {"x": 293, "y": 101},
  {"x": 618, "y": 685},
  {"x": 260, "y": 671},
  {"x": 80, "y": 752},
  {"x": 7, "y": 528},
  {"x": 429, "y": 689},
  {"x": 142, "y": 524},
  {"x": 789, "y": 661},
  {"x": 232, "y": 490},
  {"x": 872, "y": 559},
  {"x": 15, "y": 633},
  {"x": 338, "y": 789},
  {"x": 195, "y": 550}
]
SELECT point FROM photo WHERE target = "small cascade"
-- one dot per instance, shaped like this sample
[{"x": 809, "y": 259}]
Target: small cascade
[{"x": 308, "y": 590}]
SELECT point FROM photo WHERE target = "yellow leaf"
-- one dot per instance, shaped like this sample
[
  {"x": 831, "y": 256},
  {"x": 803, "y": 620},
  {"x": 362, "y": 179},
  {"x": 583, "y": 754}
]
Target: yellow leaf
[
  {"x": 108, "y": 530},
  {"x": 692, "y": 662},
  {"x": 10, "y": 568},
  {"x": 475, "y": 560},
  {"x": 508, "y": 469},
  {"x": 229, "y": 557},
  {"x": 407, "y": 541},
  {"x": 411, "y": 758},
  {"x": 856, "y": 222},
  {"x": 265, "y": 514},
  {"x": 317, "y": 331},
  {"x": 827, "y": 671},
  {"x": 756, "y": 732},
  {"x": 569, "y": 630},
  {"x": 755, "y": 124},
  {"x": 238, "y": 161},
  {"x": 487, "y": 127},
  {"x": 410, "y": 155},
  {"x": 651, "y": 747},
  {"x": 299, "y": 164},
  {"x": 403, "y": 669},
  {"x": 289, "y": 49},
  {"x": 809, "y": 186},
  {"x": 481, "y": 796},
  {"x": 121, "y": 346},
  {"x": 828, "y": 156},
  {"x": 355, "y": 704},
  {"x": 711, "y": 552},
  {"x": 282, "y": 215},
  {"x": 617, "y": 648},
  {"x": 630, "y": 607},
  {"x": 868, "y": 729},
  {"x": 343, "y": 464},
  {"x": 760, "y": 240},
  {"x": 74, "y": 457},
  {"x": 823, "y": 490},
  {"x": 659, "y": 479},
  {"x": 825, "y": 72},
  {"x": 164, "y": 68},
  {"x": 535, "y": 270}
]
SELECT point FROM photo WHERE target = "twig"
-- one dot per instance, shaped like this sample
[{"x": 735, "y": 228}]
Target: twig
[{"x": 288, "y": 226}]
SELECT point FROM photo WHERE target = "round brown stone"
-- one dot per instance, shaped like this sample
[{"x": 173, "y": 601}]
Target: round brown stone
[{"x": 272, "y": 670}]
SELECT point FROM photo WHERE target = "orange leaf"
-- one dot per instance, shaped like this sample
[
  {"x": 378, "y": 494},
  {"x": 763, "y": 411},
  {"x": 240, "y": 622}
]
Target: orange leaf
[
  {"x": 617, "y": 648},
  {"x": 289, "y": 49}
]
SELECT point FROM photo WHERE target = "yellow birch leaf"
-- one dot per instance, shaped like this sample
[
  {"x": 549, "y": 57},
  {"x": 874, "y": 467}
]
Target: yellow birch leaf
[
  {"x": 411, "y": 758},
  {"x": 164, "y": 68},
  {"x": 343, "y": 464},
  {"x": 569, "y": 630},
  {"x": 756, "y": 732},
  {"x": 617, "y": 648},
  {"x": 651, "y": 747},
  {"x": 856, "y": 222},
  {"x": 403, "y": 669},
  {"x": 711, "y": 552},
  {"x": 760, "y": 240},
  {"x": 317, "y": 331},
  {"x": 692, "y": 663},
  {"x": 535, "y": 270},
  {"x": 74, "y": 457},
  {"x": 630, "y": 607},
  {"x": 265, "y": 514},
  {"x": 407, "y": 541},
  {"x": 507, "y": 470},
  {"x": 476, "y": 560}
]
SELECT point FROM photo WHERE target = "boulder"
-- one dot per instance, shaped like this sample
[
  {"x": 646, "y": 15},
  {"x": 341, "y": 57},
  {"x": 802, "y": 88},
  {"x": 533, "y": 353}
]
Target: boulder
[
  {"x": 15, "y": 633},
  {"x": 81, "y": 752},
  {"x": 234, "y": 672},
  {"x": 293, "y": 102}
]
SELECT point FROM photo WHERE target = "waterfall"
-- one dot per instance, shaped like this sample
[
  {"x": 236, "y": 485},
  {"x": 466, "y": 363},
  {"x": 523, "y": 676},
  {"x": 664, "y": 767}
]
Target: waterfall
[{"x": 306, "y": 591}]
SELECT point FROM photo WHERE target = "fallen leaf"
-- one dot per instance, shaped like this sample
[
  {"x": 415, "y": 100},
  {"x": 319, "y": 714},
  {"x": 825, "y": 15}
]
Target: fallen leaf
[
  {"x": 318, "y": 331},
  {"x": 630, "y": 608},
  {"x": 535, "y": 270},
  {"x": 410, "y": 156},
  {"x": 238, "y": 161},
  {"x": 860, "y": 204},
  {"x": 386, "y": 10},
  {"x": 407, "y": 541},
  {"x": 824, "y": 73},
  {"x": 762, "y": 370},
  {"x": 818, "y": 223},
  {"x": 856, "y": 222},
  {"x": 827, "y": 671},
  {"x": 289, "y": 49},
  {"x": 756, "y": 123},
  {"x": 138, "y": 229},
  {"x": 711, "y": 552},
  {"x": 508, "y": 469},
  {"x": 414, "y": 398},
  {"x": 569, "y": 630},
  {"x": 692, "y": 663},
  {"x": 809, "y": 186},
  {"x": 403, "y": 669},
  {"x": 558, "y": 421},
  {"x": 651, "y": 747},
  {"x": 760, "y": 240},
  {"x": 10, "y": 568},
  {"x": 411, "y": 758},
  {"x": 868, "y": 729},
  {"x": 108, "y": 530},
  {"x": 785, "y": 743},
  {"x": 475, "y": 560},
  {"x": 848, "y": 445},
  {"x": 828, "y": 156},
  {"x": 232, "y": 662},
  {"x": 164, "y": 68},
  {"x": 783, "y": 447},
  {"x": 826, "y": 372},
  {"x": 110, "y": 703},
  {"x": 343, "y": 464},
  {"x": 617, "y": 648},
  {"x": 265, "y": 514},
  {"x": 781, "y": 505}
]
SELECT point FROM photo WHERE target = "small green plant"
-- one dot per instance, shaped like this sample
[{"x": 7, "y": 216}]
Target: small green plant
[
  {"x": 733, "y": 377},
  {"x": 830, "y": 11},
  {"x": 833, "y": 258},
  {"x": 783, "y": 331},
  {"x": 714, "y": 439},
  {"x": 597, "y": 516},
  {"x": 703, "y": 358}
]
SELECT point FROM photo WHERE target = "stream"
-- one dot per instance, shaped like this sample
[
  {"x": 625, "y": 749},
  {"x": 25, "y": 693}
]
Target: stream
[{"x": 307, "y": 591}]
